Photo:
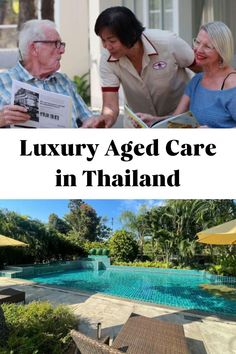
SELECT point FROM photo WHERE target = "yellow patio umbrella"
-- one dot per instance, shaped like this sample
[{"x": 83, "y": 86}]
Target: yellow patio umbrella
[
  {"x": 223, "y": 234},
  {"x": 7, "y": 241}
]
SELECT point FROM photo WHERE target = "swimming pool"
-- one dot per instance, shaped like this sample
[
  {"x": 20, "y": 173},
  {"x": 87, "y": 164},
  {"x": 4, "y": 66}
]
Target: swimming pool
[{"x": 171, "y": 289}]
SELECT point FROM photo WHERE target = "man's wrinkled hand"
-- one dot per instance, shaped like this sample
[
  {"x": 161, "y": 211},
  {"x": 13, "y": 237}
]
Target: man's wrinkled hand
[{"x": 13, "y": 114}]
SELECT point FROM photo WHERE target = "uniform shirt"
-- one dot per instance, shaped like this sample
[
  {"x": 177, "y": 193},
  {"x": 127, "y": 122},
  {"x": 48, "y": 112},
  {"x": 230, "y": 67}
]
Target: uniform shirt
[
  {"x": 58, "y": 83},
  {"x": 214, "y": 108},
  {"x": 158, "y": 89}
]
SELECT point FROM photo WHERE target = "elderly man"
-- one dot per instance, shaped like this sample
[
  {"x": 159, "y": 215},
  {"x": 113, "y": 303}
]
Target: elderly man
[{"x": 40, "y": 49}]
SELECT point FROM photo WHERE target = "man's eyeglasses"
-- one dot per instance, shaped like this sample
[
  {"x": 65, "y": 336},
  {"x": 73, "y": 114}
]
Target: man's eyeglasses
[
  {"x": 205, "y": 47},
  {"x": 58, "y": 44}
]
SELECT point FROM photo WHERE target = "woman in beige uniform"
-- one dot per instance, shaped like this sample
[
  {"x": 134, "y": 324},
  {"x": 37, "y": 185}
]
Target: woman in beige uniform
[{"x": 149, "y": 64}]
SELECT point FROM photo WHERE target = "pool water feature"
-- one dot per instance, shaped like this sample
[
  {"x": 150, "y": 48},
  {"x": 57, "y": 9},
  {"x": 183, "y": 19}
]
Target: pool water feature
[{"x": 180, "y": 290}]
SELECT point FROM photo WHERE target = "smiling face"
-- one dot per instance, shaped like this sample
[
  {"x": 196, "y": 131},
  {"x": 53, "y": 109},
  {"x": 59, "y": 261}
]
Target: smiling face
[
  {"x": 46, "y": 56},
  {"x": 112, "y": 43},
  {"x": 205, "y": 53}
]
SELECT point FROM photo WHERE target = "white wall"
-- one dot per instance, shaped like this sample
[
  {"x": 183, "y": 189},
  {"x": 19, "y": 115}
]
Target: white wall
[
  {"x": 95, "y": 51},
  {"x": 75, "y": 21},
  {"x": 72, "y": 19},
  {"x": 95, "y": 8}
]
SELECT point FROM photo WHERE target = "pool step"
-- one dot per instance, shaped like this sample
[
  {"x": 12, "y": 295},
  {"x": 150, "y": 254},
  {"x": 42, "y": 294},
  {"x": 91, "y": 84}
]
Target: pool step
[{"x": 9, "y": 273}]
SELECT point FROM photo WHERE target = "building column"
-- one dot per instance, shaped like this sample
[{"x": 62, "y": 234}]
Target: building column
[
  {"x": 95, "y": 53},
  {"x": 95, "y": 8},
  {"x": 72, "y": 23}
]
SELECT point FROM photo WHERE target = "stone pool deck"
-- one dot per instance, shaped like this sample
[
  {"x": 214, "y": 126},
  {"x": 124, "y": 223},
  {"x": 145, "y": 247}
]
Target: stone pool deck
[{"x": 205, "y": 334}]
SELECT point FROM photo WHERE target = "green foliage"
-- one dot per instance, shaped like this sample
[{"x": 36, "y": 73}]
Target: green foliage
[
  {"x": 45, "y": 243},
  {"x": 58, "y": 224},
  {"x": 226, "y": 266},
  {"x": 37, "y": 328},
  {"x": 216, "y": 269},
  {"x": 123, "y": 247},
  {"x": 137, "y": 223},
  {"x": 174, "y": 226},
  {"x": 146, "y": 264},
  {"x": 60, "y": 238},
  {"x": 171, "y": 229},
  {"x": 83, "y": 87},
  {"x": 4, "y": 331},
  {"x": 86, "y": 225},
  {"x": 148, "y": 251}
]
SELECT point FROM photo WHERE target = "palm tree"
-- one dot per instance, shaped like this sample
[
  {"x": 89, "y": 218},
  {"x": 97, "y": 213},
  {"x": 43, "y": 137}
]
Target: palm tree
[
  {"x": 182, "y": 219},
  {"x": 164, "y": 240},
  {"x": 174, "y": 226},
  {"x": 187, "y": 249},
  {"x": 137, "y": 224}
]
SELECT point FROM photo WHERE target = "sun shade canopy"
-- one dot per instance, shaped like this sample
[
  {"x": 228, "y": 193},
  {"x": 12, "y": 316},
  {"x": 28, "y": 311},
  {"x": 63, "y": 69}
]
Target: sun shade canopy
[
  {"x": 7, "y": 241},
  {"x": 223, "y": 234}
]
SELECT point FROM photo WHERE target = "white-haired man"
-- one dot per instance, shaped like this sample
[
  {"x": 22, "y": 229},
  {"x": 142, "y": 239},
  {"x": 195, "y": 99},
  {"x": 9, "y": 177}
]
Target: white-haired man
[{"x": 40, "y": 49}]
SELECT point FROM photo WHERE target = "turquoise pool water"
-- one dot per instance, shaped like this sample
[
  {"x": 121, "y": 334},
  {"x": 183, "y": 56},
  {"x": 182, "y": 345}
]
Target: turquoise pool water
[{"x": 178, "y": 290}]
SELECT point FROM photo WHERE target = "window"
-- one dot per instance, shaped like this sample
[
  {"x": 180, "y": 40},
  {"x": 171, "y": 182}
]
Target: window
[
  {"x": 161, "y": 14},
  {"x": 9, "y": 10},
  {"x": 153, "y": 13},
  {"x": 9, "y": 13}
]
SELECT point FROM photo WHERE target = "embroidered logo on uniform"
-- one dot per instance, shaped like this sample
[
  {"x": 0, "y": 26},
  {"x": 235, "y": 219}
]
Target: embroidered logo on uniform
[{"x": 160, "y": 65}]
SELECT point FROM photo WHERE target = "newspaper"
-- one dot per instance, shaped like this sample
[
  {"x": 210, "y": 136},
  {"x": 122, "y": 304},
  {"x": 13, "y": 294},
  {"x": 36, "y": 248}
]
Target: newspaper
[
  {"x": 183, "y": 120},
  {"x": 47, "y": 109}
]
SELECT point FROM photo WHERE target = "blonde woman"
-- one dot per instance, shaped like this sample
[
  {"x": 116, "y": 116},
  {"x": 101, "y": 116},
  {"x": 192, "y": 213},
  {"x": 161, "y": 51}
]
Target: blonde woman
[{"x": 210, "y": 95}]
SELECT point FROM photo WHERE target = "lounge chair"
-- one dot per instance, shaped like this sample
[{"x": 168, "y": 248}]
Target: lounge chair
[
  {"x": 139, "y": 335},
  {"x": 87, "y": 345},
  {"x": 10, "y": 295}
]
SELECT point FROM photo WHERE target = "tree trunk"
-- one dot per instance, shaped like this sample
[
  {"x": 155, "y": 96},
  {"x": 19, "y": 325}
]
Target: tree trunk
[
  {"x": 47, "y": 9},
  {"x": 27, "y": 11},
  {"x": 3, "y": 10}
]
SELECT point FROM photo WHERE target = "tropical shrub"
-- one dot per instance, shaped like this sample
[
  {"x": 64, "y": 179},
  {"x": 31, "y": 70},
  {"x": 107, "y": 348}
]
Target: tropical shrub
[
  {"x": 216, "y": 269},
  {"x": 123, "y": 247},
  {"x": 225, "y": 265},
  {"x": 146, "y": 264},
  {"x": 221, "y": 269},
  {"x": 83, "y": 86},
  {"x": 37, "y": 328}
]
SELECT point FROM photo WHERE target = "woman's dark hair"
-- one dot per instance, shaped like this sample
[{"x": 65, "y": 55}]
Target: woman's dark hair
[{"x": 122, "y": 23}]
